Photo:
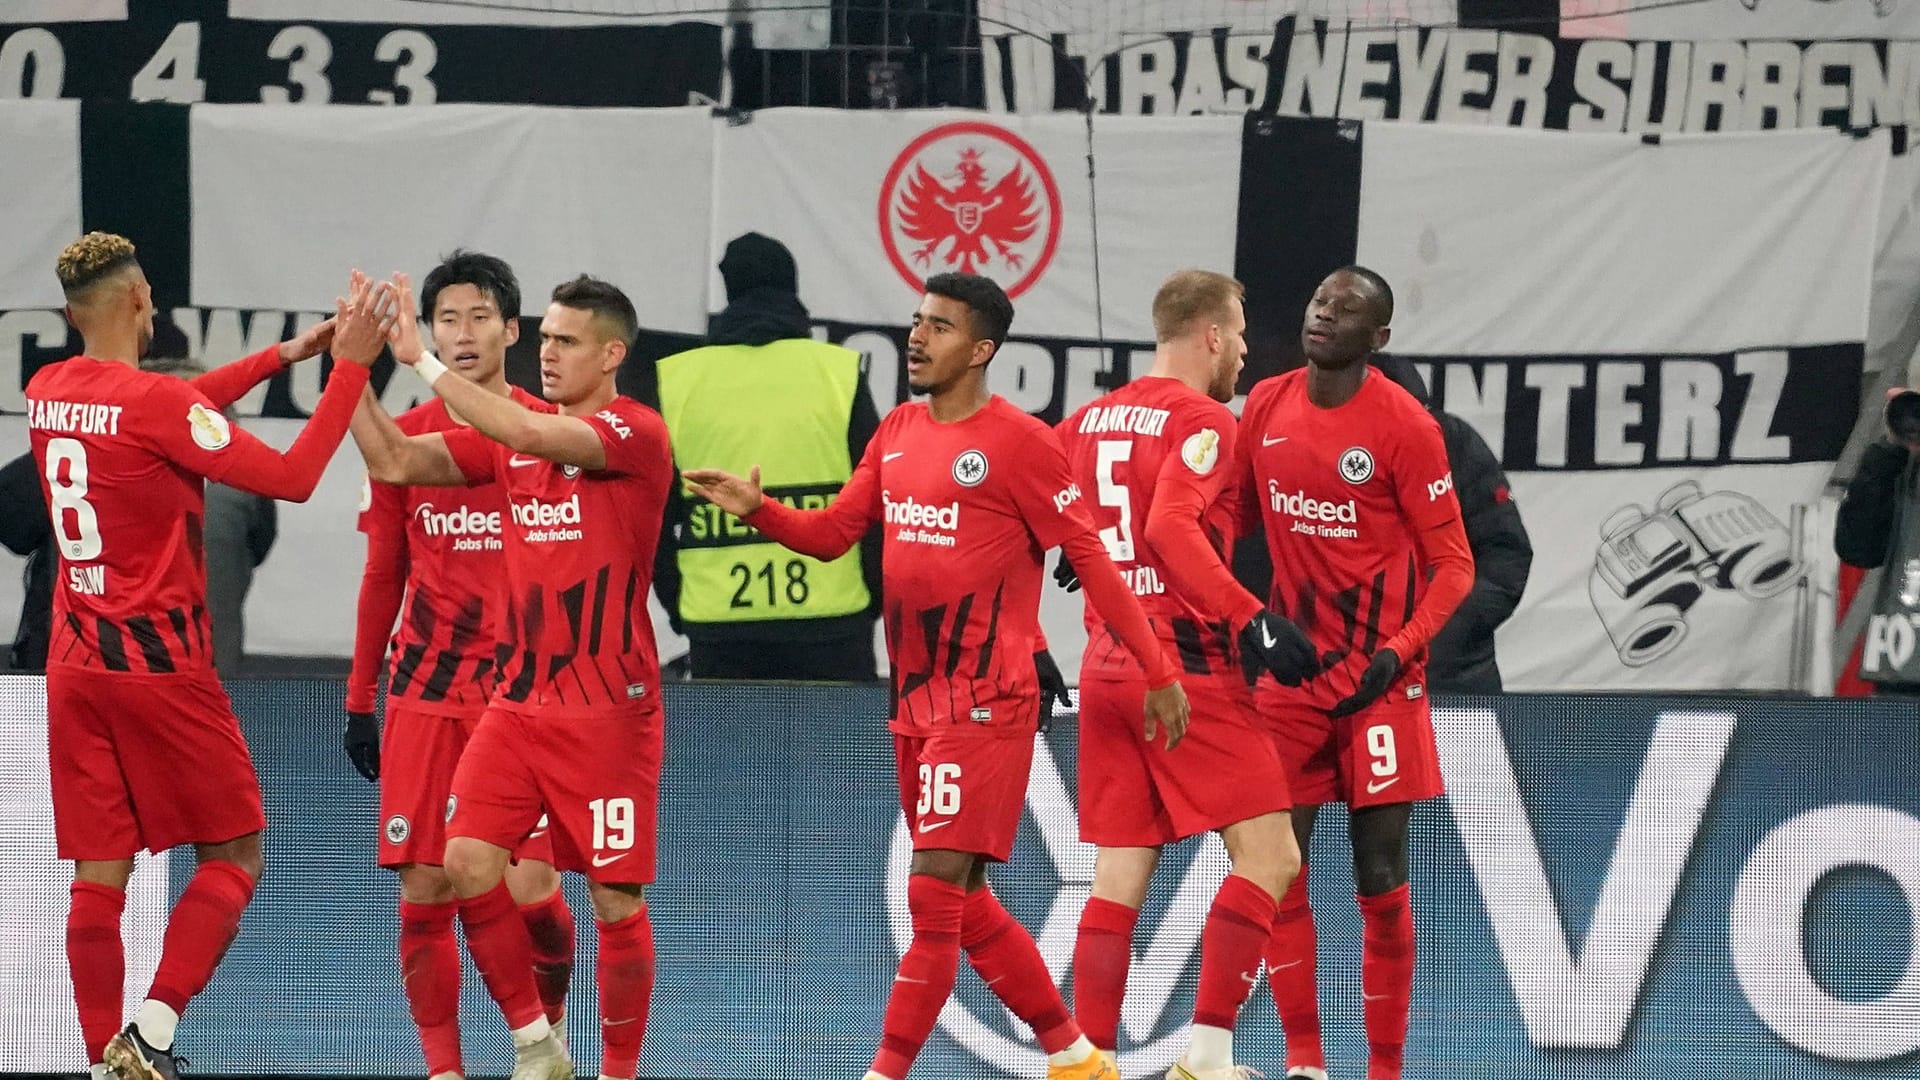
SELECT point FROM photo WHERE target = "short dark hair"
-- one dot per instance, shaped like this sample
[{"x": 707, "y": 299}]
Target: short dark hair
[
  {"x": 1383, "y": 306},
  {"x": 992, "y": 311},
  {"x": 488, "y": 273},
  {"x": 605, "y": 301}
]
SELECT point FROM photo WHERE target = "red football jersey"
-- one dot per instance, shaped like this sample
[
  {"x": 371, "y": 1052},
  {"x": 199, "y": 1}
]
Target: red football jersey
[
  {"x": 1157, "y": 442},
  {"x": 966, "y": 510},
  {"x": 450, "y": 543},
  {"x": 1344, "y": 494},
  {"x": 122, "y": 453},
  {"x": 577, "y": 638}
]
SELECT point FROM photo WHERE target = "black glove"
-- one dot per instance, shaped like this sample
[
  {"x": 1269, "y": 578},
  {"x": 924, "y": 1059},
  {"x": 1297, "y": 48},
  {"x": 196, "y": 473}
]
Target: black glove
[
  {"x": 1280, "y": 647},
  {"x": 361, "y": 741},
  {"x": 1064, "y": 575},
  {"x": 1373, "y": 682},
  {"x": 1053, "y": 687}
]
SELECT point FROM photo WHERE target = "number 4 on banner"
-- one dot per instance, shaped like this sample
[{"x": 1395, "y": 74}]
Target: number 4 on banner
[{"x": 173, "y": 73}]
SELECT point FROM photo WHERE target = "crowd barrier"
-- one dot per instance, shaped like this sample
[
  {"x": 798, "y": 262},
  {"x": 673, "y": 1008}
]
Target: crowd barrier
[{"x": 1615, "y": 887}]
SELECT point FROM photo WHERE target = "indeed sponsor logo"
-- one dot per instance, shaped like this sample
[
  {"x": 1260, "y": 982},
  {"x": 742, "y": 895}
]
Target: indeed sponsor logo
[
  {"x": 537, "y": 514},
  {"x": 1301, "y": 505},
  {"x": 459, "y": 521},
  {"x": 915, "y": 513}
]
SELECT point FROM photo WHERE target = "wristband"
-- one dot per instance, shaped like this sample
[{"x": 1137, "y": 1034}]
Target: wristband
[{"x": 429, "y": 367}]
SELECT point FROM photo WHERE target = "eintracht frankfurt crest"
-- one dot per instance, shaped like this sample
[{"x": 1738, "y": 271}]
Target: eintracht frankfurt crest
[{"x": 970, "y": 198}]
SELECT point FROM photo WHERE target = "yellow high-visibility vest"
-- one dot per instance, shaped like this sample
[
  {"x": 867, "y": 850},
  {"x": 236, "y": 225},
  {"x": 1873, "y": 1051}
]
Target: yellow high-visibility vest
[{"x": 783, "y": 406}]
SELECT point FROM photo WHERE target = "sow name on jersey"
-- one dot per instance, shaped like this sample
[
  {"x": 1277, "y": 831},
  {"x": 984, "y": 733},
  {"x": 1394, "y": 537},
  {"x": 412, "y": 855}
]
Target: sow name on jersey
[
  {"x": 1315, "y": 517},
  {"x": 74, "y": 417},
  {"x": 922, "y": 523},
  {"x": 548, "y": 522}
]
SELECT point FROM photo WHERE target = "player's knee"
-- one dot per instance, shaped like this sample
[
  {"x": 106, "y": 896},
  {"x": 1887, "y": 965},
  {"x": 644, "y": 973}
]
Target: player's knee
[
  {"x": 471, "y": 866},
  {"x": 613, "y": 903},
  {"x": 423, "y": 884},
  {"x": 1373, "y": 875}
]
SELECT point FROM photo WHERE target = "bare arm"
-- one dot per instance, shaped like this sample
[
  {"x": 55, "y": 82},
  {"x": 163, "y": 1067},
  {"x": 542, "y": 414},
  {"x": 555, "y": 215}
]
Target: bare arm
[
  {"x": 563, "y": 440},
  {"x": 394, "y": 457}
]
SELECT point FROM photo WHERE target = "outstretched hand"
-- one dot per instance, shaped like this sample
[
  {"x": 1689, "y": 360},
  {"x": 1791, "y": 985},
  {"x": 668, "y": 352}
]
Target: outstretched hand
[
  {"x": 362, "y": 320},
  {"x": 404, "y": 338},
  {"x": 308, "y": 343},
  {"x": 727, "y": 491}
]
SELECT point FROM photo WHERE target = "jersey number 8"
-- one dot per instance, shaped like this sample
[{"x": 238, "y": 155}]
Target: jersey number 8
[{"x": 69, "y": 496}]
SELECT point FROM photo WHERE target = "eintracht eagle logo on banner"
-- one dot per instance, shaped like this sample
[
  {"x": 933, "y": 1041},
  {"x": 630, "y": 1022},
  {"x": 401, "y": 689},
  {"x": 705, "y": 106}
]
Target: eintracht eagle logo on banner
[{"x": 971, "y": 198}]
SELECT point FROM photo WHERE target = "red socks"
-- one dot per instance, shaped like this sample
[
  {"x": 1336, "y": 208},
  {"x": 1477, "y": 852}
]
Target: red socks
[
  {"x": 199, "y": 930},
  {"x": 1231, "y": 947},
  {"x": 550, "y": 924},
  {"x": 926, "y": 975},
  {"x": 1290, "y": 972},
  {"x": 97, "y": 960},
  {"x": 430, "y": 976},
  {"x": 1386, "y": 978},
  {"x": 626, "y": 988},
  {"x": 1008, "y": 961},
  {"x": 497, "y": 940},
  {"x": 1102, "y": 953}
]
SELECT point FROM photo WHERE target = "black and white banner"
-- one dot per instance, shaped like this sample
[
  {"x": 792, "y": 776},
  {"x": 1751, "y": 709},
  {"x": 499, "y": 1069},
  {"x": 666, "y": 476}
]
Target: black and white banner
[
  {"x": 1590, "y": 65},
  {"x": 1662, "y": 339}
]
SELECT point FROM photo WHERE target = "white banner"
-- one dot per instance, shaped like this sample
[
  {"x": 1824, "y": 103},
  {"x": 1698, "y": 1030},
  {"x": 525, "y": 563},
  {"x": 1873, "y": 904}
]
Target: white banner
[
  {"x": 1502, "y": 242},
  {"x": 874, "y": 203},
  {"x": 489, "y": 13},
  {"x": 46, "y": 11},
  {"x": 1723, "y": 20},
  {"x": 287, "y": 199},
  {"x": 40, "y": 174},
  {"x": 1660, "y": 339}
]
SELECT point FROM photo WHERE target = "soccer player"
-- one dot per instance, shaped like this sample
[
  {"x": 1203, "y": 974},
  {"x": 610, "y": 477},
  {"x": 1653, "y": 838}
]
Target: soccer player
[
  {"x": 574, "y": 728},
  {"x": 442, "y": 551},
  {"x": 971, "y": 491},
  {"x": 1348, "y": 473},
  {"x": 133, "y": 705},
  {"x": 1158, "y": 455}
]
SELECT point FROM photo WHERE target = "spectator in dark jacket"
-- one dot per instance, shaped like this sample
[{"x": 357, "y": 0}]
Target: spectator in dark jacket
[
  {"x": 1879, "y": 524},
  {"x": 26, "y": 530},
  {"x": 1462, "y": 658}
]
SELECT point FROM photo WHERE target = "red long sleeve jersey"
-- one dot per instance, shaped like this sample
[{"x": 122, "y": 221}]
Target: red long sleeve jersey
[
  {"x": 124, "y": 455},
  {"x": 966, "y": 509},
  {"x": 437, "y": 557},
  {"x": 576, "y": 638},
  {"x": 1367, "y": 542},
  {"x": 1157, "y": 456}
]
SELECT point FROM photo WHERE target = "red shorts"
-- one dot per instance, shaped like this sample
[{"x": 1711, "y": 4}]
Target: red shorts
[
  {"x": 1133, "y": 794},
  {"x": 595, "y": 778},
  {"x": 418, "y": 752},
  {"x": 145, "y": 761},
  {"x": 1382, "y": 754},
  {"x": 964, "y": 792}
]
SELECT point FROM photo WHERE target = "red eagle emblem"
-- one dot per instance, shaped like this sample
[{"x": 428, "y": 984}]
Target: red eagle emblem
[{"x": 973, "y": 198}]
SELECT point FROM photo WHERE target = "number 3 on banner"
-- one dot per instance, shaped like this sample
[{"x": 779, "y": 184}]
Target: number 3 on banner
[{"x": 69, "y": 496}]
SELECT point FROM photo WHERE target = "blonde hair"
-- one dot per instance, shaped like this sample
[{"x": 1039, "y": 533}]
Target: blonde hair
[
  {"x": 91, "y": 259},
  {"x": 1189, "y": 296}
]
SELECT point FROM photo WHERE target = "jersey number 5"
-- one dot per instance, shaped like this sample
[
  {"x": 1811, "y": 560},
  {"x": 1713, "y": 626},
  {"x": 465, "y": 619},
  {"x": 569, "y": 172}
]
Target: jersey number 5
[
  {"x": 1118, "y": 538},
  {"x": 69, "y": 497}
]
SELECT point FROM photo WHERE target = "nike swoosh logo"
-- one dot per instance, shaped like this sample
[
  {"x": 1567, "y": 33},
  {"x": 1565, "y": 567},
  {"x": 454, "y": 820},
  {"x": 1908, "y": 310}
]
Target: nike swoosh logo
[
  {"x": 617, "y": 1023},
  {"x": 1271, "y": 968},
  {"x": 1373, "y": 997},
  {"x": 1267, "y": 441},
  {"x": 1266, "y": 638},
  {"x": 895, "y": 454},
  {"x": 929, "y": 826},
  {"x": 1375, "y": 787},
  {"x": 518, "y": 462},
  {"x": 602, "y": 860},
  {"x": 909, "y": 979}
]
